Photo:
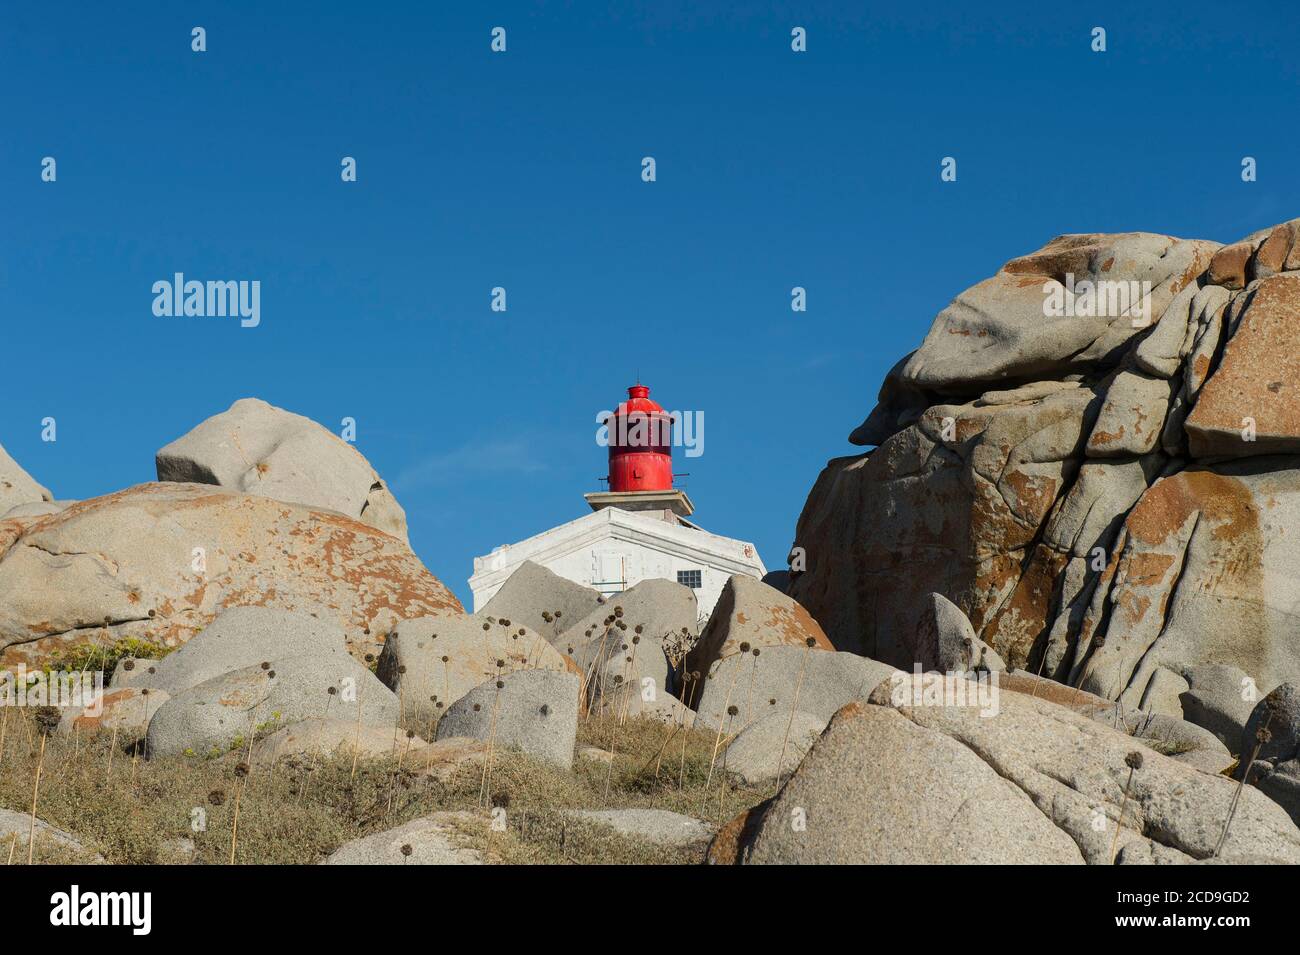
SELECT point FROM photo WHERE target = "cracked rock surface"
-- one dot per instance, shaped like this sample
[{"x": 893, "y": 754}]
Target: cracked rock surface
[{"x": 1113, "y": 499}]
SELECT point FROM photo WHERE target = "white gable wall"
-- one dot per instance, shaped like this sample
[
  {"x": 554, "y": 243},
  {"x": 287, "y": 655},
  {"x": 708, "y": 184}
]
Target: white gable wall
[{"x": 600, "y": 549}]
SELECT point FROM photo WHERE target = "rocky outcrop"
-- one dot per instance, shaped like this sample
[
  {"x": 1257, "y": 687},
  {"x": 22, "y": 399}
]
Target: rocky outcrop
[
  {"x": 431, "y": 662},
  {"x": 1032, "y": 782},
  {"x": 261, "y": 449},
  {"x": 1104, "y": 489},
  {"x": 238, "y": 637},
  {"x": 541, "y": 600},
  {"x": 228, "y": 710},
  {"x": 749, "y": 613},
  {"x": 160, "y": 561},
  {"x": 743, "y": 688},
  {"x": 1205, "y": 571},
  {"x": 1000, "y": 330}
]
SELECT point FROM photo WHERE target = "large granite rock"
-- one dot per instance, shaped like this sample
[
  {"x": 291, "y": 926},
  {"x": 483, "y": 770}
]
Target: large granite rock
[
  {"x": 1207, "y": 571},
  {"x": 261, "y": 449},
  {"x": 999, "y": 330},
  {"x": 1033, "y": 782},
  {"x": 535, "y": 711},
  {"x": 956, "y": 504},
  {"x": 625, "y": 639},
  {"x": 748, "y": 611},
  {"x": 878, "y": 789},
  {"x": 227, "y": 710},
  {"x": 237, "y": 637},
  {"x": 1106, "y": 497},
  {"x": 159, "y": 561}
]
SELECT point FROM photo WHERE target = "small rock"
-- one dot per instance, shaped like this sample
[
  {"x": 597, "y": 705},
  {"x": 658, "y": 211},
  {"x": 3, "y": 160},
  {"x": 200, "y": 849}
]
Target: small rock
[
  {"x": 946, "y": 641},
  {"x": 47, "y": 836},
  {"x": 659, "y": 826},
  {"x": 1280, "y": 712},
  {"x": 595, "y": 754},
  {"x": 535, "y": 711},
  {"x": 532, "y": 590},
  {"x": 429, "y": 840},
  {"x": 444, "y": 759},
  {"x": 180, "y": 851},
  {"x": 628, "y": 701},
  {"x": 756, "y": 754},
  {"x": 1164, "y": 693}
]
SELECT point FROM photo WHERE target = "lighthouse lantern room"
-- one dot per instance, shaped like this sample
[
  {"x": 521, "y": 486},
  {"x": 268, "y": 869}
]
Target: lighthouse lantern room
[{"x": 640, "y": 437}]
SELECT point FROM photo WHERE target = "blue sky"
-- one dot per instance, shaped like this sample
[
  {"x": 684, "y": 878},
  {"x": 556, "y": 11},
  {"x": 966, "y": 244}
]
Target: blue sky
[{"x": 522, "y": 170}]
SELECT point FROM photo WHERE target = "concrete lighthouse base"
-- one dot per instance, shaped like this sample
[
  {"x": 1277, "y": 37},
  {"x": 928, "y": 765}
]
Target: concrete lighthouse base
[{"x": 673, "y": 501}]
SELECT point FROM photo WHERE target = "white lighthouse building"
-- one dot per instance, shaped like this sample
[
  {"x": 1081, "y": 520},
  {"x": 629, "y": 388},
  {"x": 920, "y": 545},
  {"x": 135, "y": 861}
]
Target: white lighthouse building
[{"x": 637, "y": 530}]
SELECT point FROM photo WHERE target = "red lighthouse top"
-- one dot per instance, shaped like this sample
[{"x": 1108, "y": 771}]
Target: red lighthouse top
[{"x": 640, "y": 444}]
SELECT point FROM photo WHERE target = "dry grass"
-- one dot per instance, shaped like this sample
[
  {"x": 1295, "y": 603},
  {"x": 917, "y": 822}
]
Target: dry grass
[{"x": 299, "y": 811}]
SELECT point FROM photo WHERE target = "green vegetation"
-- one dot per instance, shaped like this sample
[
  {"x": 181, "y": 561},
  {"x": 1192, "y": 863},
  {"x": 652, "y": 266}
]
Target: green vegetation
[{"x": 106, "y": 657}]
